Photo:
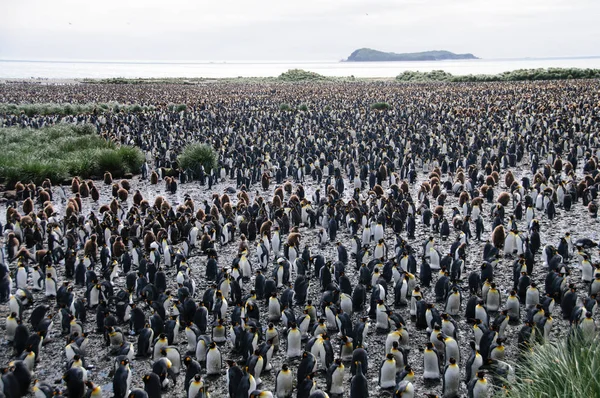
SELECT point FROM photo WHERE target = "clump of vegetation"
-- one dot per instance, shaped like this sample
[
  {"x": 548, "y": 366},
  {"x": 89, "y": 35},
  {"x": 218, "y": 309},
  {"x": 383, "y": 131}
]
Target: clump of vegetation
[
  {"x": 196, "y": 155},
  {"x": 180, "y": 108},
  {"x": 303, "y": 108},
  {"x": 512, "y": 76},
  {"x": 381, "y": 106},
  {"x": 433, "y": 76},
  {"x": 300, "y": 75},
  {"x": 568, "y": 368},
  {"x": 60, "y": 152},
  {"x": 70, "y": 109},
  {"x": 285, "y": 107}
]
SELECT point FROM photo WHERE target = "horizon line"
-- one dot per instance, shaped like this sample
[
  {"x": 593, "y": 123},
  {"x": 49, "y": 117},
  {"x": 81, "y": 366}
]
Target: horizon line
[{"x": 266, "y": 62}]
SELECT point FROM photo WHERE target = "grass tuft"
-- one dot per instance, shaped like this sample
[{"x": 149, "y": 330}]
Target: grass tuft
[
  {"x": 381, "y": 106},
  {"x": 196, "y": 155},
  {"x": 568, "y": 368},
  {"x": 60, "y": 152}
]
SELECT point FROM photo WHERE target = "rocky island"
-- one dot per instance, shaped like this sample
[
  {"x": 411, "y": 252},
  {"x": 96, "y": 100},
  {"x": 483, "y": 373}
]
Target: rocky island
[{"x": 370, "y": 55}]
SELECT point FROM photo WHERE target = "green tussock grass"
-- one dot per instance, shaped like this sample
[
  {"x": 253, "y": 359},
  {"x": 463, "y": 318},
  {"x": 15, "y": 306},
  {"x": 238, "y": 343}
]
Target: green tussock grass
[
  {"x": 300, "y": 75},
  {"x": 61, "y": 152},
  {"x": 196, "y": 155},
  {"x": 568, "y": 368},
  {"x": 512, "y": 76},
  {"x": 46, "y": 109},
  {"x": 381, "y": 106}
]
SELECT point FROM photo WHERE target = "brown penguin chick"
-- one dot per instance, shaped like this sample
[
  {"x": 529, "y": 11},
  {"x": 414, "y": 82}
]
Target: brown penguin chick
[
  {"x": 11, "y": 213},
  {"x": 44, "y": 196},
  {"x": 225, "y": 199},
  {"x": 118, "y": 248},
  {"x": 435, "y": 190},
  {"x": 137, "y": 197},
  {"x": 276, "y": 202},
  {"x": 294, "y": 239},
  {"x": 122, "y": 194},
  {"x": 593, "y": 209},
  {"x": 149, "y": 237},
  {"x": 167, "y": 183},
  {"x": 90, "y": 248},
  {"x": 153, "y": 178},
  {"x": 126, "y": 185},
  {"x": 31, "y": 188},
  {"x": 214, "y": 212},
  {"x": 114, "y": 206},
  {"x": 158, "y": 201},
  {"x": 434, "y": 179},
  {"x": 504, "y": 198},
  {"x": 265, "y": 228},
  {"x": 205, "y": 240},
  {"x": 48, "y": 210},
  {"x": 383, "y": 174},
  {"x": 77, "y": 199},
  {"x": 287, "y": 187},
  {"x": 243, "y": 197},
  {"x": 509, "y": 178},
  {"x": 108, "y": 178},
  {"x": 27, "y": 206},
  {"x": 84, "y": 190},
  {"x": 489, "y": 181},
  {"x": 483, "y": 189},
  {"x": 75, "y": 185},
  {"x": 278, "y": 192},
  {"x": 498, "y": 237},
  {"x": 47, "y": 184},
  {"x": 568, "y": 166},
  {"x": 404, "y": 186},
  {"x": 19, "y": 188},
  {"x": 227, "y": 210},
  {"x": 265, "y": 181},
  {"x": 144, "y": 206},
  {"x": 165, "y": 207},
  {"x": 90, "y": 184},
  {"x": 189, "y": 203},
  {"x": 581, "y": 186},
  {"x": 378, "y": 190},
  {"x": 115, "y": 190},
  {"x": 463, "y": 198},
  {"x": 558, "y": 165},
  {"x": 200, "y": 215},
  {"x": 439, "y": 210},
  {"x": 103, "y": 209},
  {"x": 70, "y": 210},
  {"x": 478, "y": 201},
  {"x": 496, "y": 177},
  {"x": 243, "y": 245},
  {"x": 95, "y": 194},
  {"x": 26, "y": 221}
]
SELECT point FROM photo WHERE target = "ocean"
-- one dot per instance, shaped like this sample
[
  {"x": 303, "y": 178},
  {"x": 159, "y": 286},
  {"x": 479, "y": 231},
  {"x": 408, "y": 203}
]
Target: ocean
[{"x": 80, "y": 70}]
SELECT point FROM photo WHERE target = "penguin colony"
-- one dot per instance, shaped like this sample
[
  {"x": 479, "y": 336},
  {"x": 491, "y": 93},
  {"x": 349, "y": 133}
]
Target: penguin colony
[{"x": 313, "y": 265}]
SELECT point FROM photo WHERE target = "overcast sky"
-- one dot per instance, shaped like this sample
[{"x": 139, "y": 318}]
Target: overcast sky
[{"x": 268, "y": 30}]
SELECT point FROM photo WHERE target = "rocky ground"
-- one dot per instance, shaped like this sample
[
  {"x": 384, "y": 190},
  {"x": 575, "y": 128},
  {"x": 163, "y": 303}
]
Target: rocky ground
[{"x": 52, "y": 361}]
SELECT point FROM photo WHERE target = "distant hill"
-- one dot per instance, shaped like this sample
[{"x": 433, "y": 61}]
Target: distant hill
[{"x": 370, "y": 55}]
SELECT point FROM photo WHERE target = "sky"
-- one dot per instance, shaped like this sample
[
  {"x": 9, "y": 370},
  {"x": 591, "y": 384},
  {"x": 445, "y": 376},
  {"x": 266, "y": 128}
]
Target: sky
[{"x": 284, "y": 30}]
